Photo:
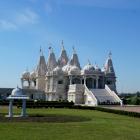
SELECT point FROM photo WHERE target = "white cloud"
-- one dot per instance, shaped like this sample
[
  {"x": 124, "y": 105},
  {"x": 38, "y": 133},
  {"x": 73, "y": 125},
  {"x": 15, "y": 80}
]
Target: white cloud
[
  {"x": 25, "y": 17},
  {"x": 7, "y": 25}
]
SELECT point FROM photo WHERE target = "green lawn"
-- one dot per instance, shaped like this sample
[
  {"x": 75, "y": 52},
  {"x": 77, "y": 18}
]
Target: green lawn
[{"x": 102, "y": 126}]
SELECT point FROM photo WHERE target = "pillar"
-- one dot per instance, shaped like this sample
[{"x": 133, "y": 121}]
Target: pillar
[
  {"x": 70, "y": 80},
  {"x": 97, "y": 83},
  {"x": 93, "y": 83},
  {"x": 84, "y": 80},
  {"x": 22, "y": 83},
  {"x": 10, "y": 108},
  {"x": 23, "y": 113}
]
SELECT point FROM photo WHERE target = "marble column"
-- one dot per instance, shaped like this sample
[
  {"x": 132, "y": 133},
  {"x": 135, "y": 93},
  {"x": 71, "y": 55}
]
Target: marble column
[
  {"x": 23, "y": 113},
  {"x": 97, "y": 83},
  {"x": 10, "y": 108},
  {"x": 22, "y": 83},
  {"x": 84, "y": 80},
  {"x": 70, "y": 80}
]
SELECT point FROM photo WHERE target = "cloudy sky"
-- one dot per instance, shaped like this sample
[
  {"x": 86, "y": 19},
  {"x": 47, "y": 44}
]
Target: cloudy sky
[{"x": 94, "y": 27}]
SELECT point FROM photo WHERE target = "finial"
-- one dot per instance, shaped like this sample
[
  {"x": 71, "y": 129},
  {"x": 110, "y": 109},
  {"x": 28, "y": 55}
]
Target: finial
[
  {"x": 110, "y": 54},
  {"x": 41, "y": 51},
  {"x": 95, "y": 63},
  {"x": 26, "y": 69},
  {"x": 62, "y": 43},
  {"x": 74, "y": 51},
  {"x": 89, "y": 62},
  {"x": 51, "y": 49}
]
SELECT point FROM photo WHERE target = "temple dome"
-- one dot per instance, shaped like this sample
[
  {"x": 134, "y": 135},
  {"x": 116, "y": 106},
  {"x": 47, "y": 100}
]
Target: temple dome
[
  {"x": 66, "y": 68},
  {"x": 57, "y": 70},
  {"x": 74, "y": 70},
  {"x": 17, "y": 92},
  {"x": 26, "y": 75},
  {"x": 33, "y": 75},
  {"x": 88, "y": 69},
  {"x": 97, "y": 69}
]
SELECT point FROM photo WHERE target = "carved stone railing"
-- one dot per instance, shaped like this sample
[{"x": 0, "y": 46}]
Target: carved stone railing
[
  {"x": 89, "y": 93},
  {"x": 112, "y": 93}
]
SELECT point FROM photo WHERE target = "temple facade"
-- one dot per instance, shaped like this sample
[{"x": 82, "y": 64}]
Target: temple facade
[{"x": 64, "y": 79}]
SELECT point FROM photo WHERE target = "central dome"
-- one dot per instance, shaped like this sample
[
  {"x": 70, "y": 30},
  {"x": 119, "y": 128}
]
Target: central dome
[
  {"x": 74, "y": 70},
  {"x": 88, "y": 69},
  {"x": 57, "y": 70}
]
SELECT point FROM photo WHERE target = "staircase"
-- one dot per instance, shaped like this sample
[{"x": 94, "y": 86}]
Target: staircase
[
  {"x": 102, "y": 95},
  {"x": 106, "y": 96}
]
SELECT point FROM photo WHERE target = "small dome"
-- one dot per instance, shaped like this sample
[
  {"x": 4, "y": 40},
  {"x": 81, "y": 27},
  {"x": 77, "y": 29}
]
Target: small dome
[
  {"x": 33, "y": 75},
  {"x": 66, "y": 68},
  {"x": 26, "y": 75},
  {"x": 17, "y": 92},
  {"x": 97, "y": 69},
  {"x": 74, "y": 70},
  {"x": 88, "y": 69},
  {"x": 57, "y": 70}
]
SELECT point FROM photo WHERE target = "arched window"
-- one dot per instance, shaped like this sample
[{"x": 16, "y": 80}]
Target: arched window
[{"x": 60, "y": 82}]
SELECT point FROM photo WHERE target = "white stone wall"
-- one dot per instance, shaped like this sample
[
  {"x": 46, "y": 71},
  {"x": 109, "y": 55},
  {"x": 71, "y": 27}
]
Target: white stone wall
[
  {"x": 76, "y": 93},
  {"x": 40, "y": 83}
]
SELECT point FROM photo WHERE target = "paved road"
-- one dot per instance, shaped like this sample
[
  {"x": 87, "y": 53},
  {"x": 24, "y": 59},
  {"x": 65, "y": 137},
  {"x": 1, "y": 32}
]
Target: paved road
[{"x": 126, "y": 108}]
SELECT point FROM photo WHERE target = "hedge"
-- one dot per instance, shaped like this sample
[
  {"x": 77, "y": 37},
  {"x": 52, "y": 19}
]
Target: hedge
[
  {"x": 70, "y": 105},
  {"x": 114, "y": 111}
]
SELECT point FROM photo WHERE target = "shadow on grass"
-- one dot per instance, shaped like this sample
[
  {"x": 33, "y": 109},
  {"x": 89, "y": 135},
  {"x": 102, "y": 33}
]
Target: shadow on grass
[{"x": 52, "y": 118}]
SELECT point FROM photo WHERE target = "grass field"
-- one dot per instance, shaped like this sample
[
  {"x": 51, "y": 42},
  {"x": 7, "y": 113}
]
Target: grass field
[{"x": 99, "y": 126}]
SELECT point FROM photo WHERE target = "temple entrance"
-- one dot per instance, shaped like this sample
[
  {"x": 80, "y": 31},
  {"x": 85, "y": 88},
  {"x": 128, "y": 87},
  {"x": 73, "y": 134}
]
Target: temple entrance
[
  {"x": 100, "y": 83},
  {"x": 76, "y": 81},
  {"x": 90, "y": 83}
]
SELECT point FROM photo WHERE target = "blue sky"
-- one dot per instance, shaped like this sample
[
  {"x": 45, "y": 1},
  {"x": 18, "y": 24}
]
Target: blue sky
[{"x": 94, "y": 27}]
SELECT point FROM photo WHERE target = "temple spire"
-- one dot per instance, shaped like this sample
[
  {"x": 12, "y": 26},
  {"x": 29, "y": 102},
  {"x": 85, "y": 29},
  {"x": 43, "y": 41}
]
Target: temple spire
[
  {"x": 41, "y": 67},
  {"x": 74, "y": 51},
  {"x": 74, "y": 59},
  {"x": 109, "y": 64},
  {"x": 62, "y": 44},
  {"x": 110, "y": 54},
  {"x": 41, "y": 51},
  {"x": 51, "y": 63},
  {"x": 63, "y": 59}
]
